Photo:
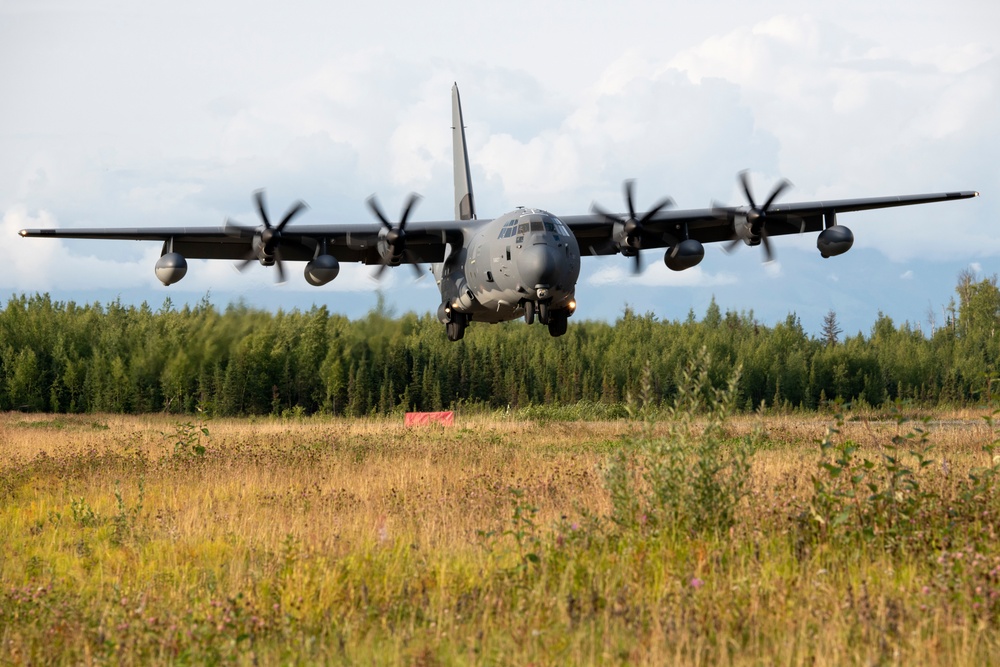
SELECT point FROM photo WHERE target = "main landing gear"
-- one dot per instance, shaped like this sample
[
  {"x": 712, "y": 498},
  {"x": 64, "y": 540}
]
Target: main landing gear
[
  {"x": 456, "y": 328},
  {"x": 554, "y": 319}
]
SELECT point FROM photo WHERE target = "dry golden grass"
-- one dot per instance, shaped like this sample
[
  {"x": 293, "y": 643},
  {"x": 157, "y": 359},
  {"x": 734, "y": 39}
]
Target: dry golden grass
[{"x": 332, "y": 540}]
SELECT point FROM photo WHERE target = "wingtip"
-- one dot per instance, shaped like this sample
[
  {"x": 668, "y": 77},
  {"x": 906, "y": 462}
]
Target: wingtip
[{"x": 23, "y": 233}]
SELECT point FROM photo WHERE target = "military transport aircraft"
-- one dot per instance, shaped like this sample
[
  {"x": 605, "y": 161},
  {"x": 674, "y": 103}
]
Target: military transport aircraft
[{"x": 524, "y": 263}]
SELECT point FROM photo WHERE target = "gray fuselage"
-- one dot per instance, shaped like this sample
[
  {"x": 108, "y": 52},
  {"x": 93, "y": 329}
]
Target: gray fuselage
[{"x": 525, "y": 255}]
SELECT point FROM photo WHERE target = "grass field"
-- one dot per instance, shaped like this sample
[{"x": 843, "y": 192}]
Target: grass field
[{"x": 134, "y": 540}]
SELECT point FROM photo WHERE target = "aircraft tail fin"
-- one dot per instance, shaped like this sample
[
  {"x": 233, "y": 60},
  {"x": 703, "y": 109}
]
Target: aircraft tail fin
[{"x": 465, "y": 205}]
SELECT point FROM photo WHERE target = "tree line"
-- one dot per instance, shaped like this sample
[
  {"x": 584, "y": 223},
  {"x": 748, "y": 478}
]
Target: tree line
[{"x": 67, "y": 357}]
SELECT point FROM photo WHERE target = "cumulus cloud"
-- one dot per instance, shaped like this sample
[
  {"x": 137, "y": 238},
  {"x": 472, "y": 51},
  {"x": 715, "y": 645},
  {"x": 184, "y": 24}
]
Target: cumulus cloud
[
  {"x": 47, "y": 264},
  {"x": 845, "y": 101}
]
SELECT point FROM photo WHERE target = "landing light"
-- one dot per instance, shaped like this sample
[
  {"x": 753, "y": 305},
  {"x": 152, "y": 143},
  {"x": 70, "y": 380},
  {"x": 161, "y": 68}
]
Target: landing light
[{"x": 571, "y": 305}]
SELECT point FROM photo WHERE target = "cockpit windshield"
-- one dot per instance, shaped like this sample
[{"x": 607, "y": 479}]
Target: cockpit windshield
[{"x": 533, "y": 222}]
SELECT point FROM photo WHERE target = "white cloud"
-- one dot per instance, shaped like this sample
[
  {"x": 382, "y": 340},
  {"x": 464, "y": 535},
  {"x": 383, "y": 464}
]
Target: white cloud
[
  {"x": 215, "y": 101},
  {"x": 47, "y": 264}
]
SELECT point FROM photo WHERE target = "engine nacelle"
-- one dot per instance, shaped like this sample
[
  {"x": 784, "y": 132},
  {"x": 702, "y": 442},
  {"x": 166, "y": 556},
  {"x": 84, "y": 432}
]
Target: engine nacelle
[
  {"x": 321, "y": 270},
  {"x": 684, "y": 255},
  {"x": 835, "y": 241},
  {"x": 171, "y": 267}
]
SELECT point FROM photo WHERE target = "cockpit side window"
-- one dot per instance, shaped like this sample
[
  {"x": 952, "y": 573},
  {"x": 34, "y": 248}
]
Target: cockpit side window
[{"x": 509, "y": 229}]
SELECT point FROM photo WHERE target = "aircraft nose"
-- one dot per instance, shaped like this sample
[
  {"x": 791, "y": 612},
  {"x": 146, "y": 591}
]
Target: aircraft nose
[{"x": 538, "y": 265}]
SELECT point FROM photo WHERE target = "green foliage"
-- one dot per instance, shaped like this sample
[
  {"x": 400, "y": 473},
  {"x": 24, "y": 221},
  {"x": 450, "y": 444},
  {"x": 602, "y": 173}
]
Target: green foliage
[
  {"x": 585, "y": 410},
  {"x": 187, "y": 439},
  {"x": 890, "y": 502},
  {"x": 877, "y": 501},
  {"x": 125, "y": 520},
  {"x": 690, "y": 479},
  {"x": 368, "y": 561},
  {"x": 83, "y": 514},
  {"x": 64, "y": 357},
  {"x": 522, "y": 529}
]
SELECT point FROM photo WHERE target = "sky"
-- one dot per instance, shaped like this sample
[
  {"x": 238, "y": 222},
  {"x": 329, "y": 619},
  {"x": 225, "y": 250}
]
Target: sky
[{"x": 172, "y": 113}]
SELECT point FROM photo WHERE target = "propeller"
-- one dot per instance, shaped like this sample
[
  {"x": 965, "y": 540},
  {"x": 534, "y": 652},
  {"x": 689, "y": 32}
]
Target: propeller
[
  {"x": 756, "y": 216},
  {"x": 269, "y": 235},
  {"x": 632, "y": 225},
  {"x": 395, "y": 237}
]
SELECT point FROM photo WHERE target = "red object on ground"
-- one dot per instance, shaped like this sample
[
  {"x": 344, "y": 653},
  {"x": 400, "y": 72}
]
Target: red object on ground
[{"x": 424, "y": 418}]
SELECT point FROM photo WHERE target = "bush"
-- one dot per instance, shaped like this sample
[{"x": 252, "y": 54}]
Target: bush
[{"x": 692, "y": 478}]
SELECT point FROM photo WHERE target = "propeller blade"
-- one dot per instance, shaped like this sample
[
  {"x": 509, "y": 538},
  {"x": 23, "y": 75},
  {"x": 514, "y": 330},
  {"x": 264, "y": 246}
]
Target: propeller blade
[
  {"x": 608, "y": 217},
  {"x": 628, "y": 186},
  {"x": 236, "y": 230},
  {"x": 783, "y": 185},
  {"x": 376, "y": 209},
  {"x": 660, "y": 205},
  {"x": 757, "y": 217},
  {"x": 731, "y": 246},
  {"x": 411, "y": 258},
  {"x": 768, "y": 253},
  {"x": 608, "y": 247},
  {"x": 243, "y": 264},
  {"x": 410, "y": 203},
  {"x": 745, "y": 181},
  {"x": 393, "y": 242},
  {"x": 296, "y": 208},
  {"x": 279, "y": 277},
  {"x": 258, "y": 196},
  {"x": 720, "y": 210},
  {"x": 629, "y": 238}
]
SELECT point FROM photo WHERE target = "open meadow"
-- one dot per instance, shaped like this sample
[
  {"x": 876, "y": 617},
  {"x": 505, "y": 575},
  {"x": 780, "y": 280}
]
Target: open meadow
[{"x": 137, "y": 540}]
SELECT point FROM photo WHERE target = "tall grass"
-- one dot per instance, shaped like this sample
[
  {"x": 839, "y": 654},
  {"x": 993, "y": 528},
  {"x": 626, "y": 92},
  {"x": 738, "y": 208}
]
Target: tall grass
[{"x": 497, "y": 542}]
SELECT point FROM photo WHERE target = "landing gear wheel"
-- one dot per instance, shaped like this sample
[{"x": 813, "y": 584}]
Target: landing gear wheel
[
  {"x": 455, "y": 330},
  {"x": 543, "y": 312},
  {"x": 529, "y": 312},
  {"x": 558, "y": 322}
]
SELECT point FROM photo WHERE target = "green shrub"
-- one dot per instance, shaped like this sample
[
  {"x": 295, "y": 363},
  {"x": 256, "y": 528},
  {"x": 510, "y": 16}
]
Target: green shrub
[{"x": 694, "y": 477}]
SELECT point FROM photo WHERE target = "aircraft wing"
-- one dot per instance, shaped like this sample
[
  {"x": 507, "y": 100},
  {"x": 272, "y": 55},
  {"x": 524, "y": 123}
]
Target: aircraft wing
[
  {"x": 596, "y": 234},
  {"x": 425, "y": 241}
]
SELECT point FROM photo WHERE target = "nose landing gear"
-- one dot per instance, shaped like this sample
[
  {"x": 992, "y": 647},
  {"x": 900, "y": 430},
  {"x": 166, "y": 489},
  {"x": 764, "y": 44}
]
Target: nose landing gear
[
  {"x": 554, "y": 318},
  {"x": 539, "y": 308}
]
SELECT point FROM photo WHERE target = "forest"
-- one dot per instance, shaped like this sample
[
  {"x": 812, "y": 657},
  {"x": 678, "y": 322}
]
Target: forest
[{"x": 67, "y": 357}]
